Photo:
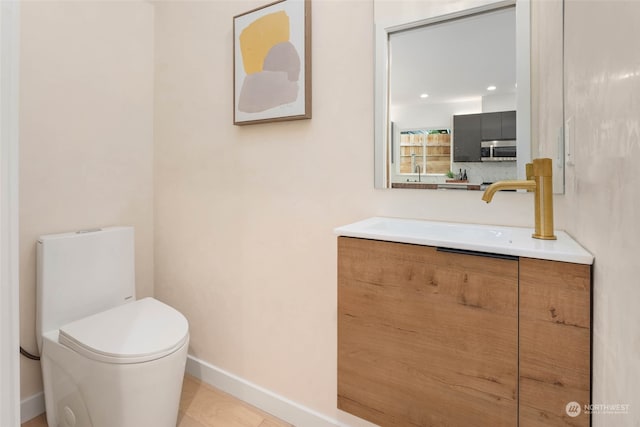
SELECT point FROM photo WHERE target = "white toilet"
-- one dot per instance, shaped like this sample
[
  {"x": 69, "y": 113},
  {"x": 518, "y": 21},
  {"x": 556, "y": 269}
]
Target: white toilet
[{"x": 108, "y": 360}]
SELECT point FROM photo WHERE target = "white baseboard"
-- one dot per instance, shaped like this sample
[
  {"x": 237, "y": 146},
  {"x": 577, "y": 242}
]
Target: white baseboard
[
  {"x": 31, "y": 407},
  {"x": 257, "y": 396}
]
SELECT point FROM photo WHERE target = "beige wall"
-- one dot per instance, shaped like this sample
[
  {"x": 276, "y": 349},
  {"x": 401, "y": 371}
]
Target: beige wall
[
  {"x": 86, "y": 134},
  {"x": 603, "y": 187},
  {"x": 547, "y": 78},
  {"x": 244, "y": 215}
]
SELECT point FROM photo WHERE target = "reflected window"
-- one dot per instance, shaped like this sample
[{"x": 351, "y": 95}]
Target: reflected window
[{"x": 426, "y": 151}]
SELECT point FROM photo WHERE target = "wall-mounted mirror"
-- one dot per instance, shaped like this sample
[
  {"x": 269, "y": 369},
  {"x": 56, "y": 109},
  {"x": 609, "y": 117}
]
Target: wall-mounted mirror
[{"x": 467, "y": 92}]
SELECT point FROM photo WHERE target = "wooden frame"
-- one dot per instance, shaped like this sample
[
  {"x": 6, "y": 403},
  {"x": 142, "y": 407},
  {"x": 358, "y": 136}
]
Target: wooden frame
[{"x": 272, "y": 63}]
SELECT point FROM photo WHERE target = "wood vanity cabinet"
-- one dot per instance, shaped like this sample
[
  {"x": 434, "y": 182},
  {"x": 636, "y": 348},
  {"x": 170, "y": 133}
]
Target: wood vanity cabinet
[{"x": 433, "y": 337}]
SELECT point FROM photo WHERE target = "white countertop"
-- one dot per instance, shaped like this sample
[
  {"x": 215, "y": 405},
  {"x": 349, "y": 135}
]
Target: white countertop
[{"x": 516, "y": 241}]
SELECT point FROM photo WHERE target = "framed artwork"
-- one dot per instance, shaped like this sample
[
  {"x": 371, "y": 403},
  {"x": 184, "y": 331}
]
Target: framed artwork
[{"x": 272, "y": 63}]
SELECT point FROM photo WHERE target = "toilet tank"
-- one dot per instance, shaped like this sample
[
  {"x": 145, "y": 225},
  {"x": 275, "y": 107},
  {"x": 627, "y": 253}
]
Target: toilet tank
[{"x": 82, "y": 273}]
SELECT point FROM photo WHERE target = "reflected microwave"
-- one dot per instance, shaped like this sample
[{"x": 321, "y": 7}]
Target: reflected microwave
[{"x": 498, "y": 151}]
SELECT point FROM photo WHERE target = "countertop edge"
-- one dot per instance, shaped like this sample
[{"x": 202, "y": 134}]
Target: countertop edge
[{"x": 580, "y": 256}]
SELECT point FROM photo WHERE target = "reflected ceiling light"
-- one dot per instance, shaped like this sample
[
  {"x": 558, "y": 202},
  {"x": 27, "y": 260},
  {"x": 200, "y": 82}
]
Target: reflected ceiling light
[
  {"x": 491, "y": 88},
  {"x": 424, "y": 95},
  {"x": 463, "y": 99}
]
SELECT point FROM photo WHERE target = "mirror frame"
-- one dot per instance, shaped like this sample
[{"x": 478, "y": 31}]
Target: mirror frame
[{"x": 382, "y": 127}]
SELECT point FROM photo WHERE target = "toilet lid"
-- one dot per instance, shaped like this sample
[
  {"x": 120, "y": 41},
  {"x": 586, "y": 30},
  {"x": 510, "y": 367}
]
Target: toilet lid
[{"x": 136, "y": 332}]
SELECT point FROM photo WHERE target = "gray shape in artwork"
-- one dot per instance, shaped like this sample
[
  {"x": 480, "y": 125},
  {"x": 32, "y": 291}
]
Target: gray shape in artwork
[
  {"x": 266, "y": 89},
  {"x": 276, "y": 85},
  {"x": 283, "y": 57}
]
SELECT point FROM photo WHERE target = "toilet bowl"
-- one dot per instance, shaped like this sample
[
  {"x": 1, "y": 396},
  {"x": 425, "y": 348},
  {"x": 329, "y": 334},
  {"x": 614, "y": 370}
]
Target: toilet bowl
[{"x": 107, "y": 359}]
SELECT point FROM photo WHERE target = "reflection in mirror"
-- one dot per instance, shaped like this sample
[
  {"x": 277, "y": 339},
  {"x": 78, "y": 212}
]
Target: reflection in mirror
[
  {"x": 430, "y": 83},
  {"x": 466, "y": 73}
]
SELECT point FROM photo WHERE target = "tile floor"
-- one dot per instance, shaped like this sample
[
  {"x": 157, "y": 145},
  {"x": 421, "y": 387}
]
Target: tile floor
[{"x": 204, "y": 406}]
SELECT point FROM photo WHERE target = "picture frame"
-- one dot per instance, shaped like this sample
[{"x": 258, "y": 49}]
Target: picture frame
[{"x": 272, "y": 63}]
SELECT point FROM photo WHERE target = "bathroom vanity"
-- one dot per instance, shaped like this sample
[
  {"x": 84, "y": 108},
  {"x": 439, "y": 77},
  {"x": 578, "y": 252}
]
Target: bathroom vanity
[{"x": 462, "y": 325}]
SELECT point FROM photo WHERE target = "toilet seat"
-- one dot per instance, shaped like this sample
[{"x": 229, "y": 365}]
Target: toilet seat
[{"x": 136, "y": 332}]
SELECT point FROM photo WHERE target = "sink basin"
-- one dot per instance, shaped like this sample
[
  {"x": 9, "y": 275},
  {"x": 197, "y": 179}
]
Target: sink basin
[
  {"x": 515, "y": 241},
  {"x": 441, "y": 231}
]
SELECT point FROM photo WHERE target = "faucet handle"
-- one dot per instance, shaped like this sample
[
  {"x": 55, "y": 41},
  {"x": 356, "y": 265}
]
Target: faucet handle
[
  {"x": 529, "y": 171},
  {"x": 542, "y": 167}
]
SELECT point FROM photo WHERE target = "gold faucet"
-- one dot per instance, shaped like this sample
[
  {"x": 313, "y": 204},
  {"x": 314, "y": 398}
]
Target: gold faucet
[{"x": 539, "y": 180}]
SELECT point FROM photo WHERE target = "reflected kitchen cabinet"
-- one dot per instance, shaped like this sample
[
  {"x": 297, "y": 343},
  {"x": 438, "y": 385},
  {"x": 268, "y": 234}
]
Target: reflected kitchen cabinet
[
  {"x": 499, "y": 126},
  {"x": 470, "y": 130},
  {"x": 467, "y": 134}
]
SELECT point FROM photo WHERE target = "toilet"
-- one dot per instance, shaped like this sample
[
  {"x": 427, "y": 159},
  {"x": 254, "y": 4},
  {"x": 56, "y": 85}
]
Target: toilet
[{"x": 108, "y": 359}]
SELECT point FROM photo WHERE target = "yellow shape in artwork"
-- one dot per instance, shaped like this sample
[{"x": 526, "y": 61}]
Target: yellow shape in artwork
[{"x": 260, "y": 36}]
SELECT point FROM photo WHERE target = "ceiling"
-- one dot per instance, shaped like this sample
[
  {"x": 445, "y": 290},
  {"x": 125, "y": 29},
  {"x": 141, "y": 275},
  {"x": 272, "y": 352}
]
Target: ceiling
[{"x": 454, "y": 61}]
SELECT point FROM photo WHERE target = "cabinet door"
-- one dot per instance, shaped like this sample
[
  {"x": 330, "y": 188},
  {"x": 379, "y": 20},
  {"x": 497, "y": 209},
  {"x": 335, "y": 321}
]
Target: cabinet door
[
  {"x": 426, "y": 338},
  {"x": 491, "y": 126},
  {"x": 499, "y": 126},
  {"x": 467, "y": 134},
  {"x": 509, "y": 125},
  {"x": 555, "y": 342}
]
